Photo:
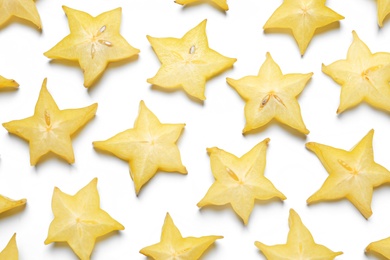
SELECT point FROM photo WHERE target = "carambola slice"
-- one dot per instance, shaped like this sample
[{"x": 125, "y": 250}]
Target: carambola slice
[
  {"x": 10, "y": 252},
  {"x": 50, "y": 129},
  {"x": 8, "y": 83},
  {"x": 239, "y": 181},
  {"x": 93, "y": 42},
  {"x": 174, "y": 246},
  {"x": 381, "y": 247},
  {"x": 302, "y": 17},
  {"x": 300, "y": 244},
  {"x": 272, "y": 95},
  {"x": 363, "y": 76},
  {"x": 79, "y": 220},
  {"x": 352, "y": 174},
  {"x": 383, "y": 10},
  {"x": 220, "y": 3},
  {"x": 187, "y": 62},
  {"x": 148, "y": 147},
  {"x": 24, "y": 9}
]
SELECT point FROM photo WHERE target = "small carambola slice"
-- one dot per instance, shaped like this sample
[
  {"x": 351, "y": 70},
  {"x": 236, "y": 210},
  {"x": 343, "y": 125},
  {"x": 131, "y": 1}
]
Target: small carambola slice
[
  {"x": 8, "y": 204},
  {"x": 220, "y": 3},
  {"x": 302, "y": 17},
  {"x": 187, "y": 62},
  {"x": 173, "y": 246},
  {"x": 8, "y": 83},
  {"x": 50, "y": 129},
  {"x": 79, "y": 220},
  {"x": 363, "y": 76},
  {"x": 381, "y": 247},
  {"x": 300, "y": 244},
  {"x": 352, "y": 174},
  {"x": 24, "y": 9},
  {"x": 271, "y": 95},
  {"x": 93, "y": 42},
  {"x": 383, "y": 10},
  {"x": 10, "y": 252},
  {"x": 148, "y": 147},
  {"x": 239, "y": 181}
]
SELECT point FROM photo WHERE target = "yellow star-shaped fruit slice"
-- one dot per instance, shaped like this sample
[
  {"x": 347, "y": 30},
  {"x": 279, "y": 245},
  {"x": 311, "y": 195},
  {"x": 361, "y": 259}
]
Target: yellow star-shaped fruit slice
[
  {"x": 93, "y": 42},
  {"x": 24, "y": 9},
  {"x": 383, "y": 11},
  {"x": 174, "y": 246},
  {"x": 219, "y": 3},
  {"x": 148, "y": 147},
  {"x": 187, "y": 62},
  {"x": 381, "y": 247},
  {"x": 302, "y": 17},
  {"x": 8, "y": 83},
  {"x": 300, "y": 244},
  {"x": 363, "y": 76},
  {"x": 50, "y": 129},
  {"x": 239, "y": 181},
  {"x": 79, "y": 220},
  {"x": 8, "y": 204},
  {"x": 352, "y": 174},
  {"x": 271, "y": 95},
  {"x": 10, "y": 252}
]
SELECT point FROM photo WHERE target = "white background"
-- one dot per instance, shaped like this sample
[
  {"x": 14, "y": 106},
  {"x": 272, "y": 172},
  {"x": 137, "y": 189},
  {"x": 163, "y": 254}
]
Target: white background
[{"x": 217, "y": 122}]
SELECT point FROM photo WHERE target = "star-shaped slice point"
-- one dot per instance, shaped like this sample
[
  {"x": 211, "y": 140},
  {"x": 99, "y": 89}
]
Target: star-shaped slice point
[
  {"x": 148, "y": 147},
  {"x": 380, "y": 247},
  {"x": 363, "y": 76},
  {"x": 383, "y": 11},
  {"x": 50, "y": 129},
  {"x": 79, "y": 220},
  {"x": 239, "y": 181},
  {"x": 24, "y": 9},
  {"x": 10, "y": 252},
  {"x": 9, "y": 204},
  {"x": 300, "y": 244},
  {"x": 352, "y": 174},
  {"x": 187, "y": 62},
  {"x": 93, "y": 42},
  {"x": 174, "y": 246},
  {"x": 271, "y": 95},
  {"x": 8, "y": 83},
  {"x": 222, "y": 4},
  {"x": 302, "y": 17}
]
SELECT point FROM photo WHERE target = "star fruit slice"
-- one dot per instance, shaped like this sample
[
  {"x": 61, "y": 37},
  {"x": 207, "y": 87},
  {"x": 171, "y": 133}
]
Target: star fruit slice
[
  {"x": 93, "y": 42},
  {"x": 303, "y": 18},
  {"x": 381, "y": 247},
  {"x": 50, "y": 129},
  {"x": 219, "y": 3},
  {"x": 148, "y": 147},
  {"x": 8, "y": 83},
  {"x": 383, "y": 11},
  {"x": 300, "y": 244},
  {"x": 173, "y": 246},
  {"x": 8, "y": 204},
  {"x": 271, "y": 95},
  {"x": 352, "y": 174},
  {"x": 187, "y": 62},
  {"x": 363, "y": 76},
  {"x": 79, "y": 220},
  {"x": 10, "y": 252},
  {"x": 239, "y": 181},
  {"x": 24, "y": 9}
]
